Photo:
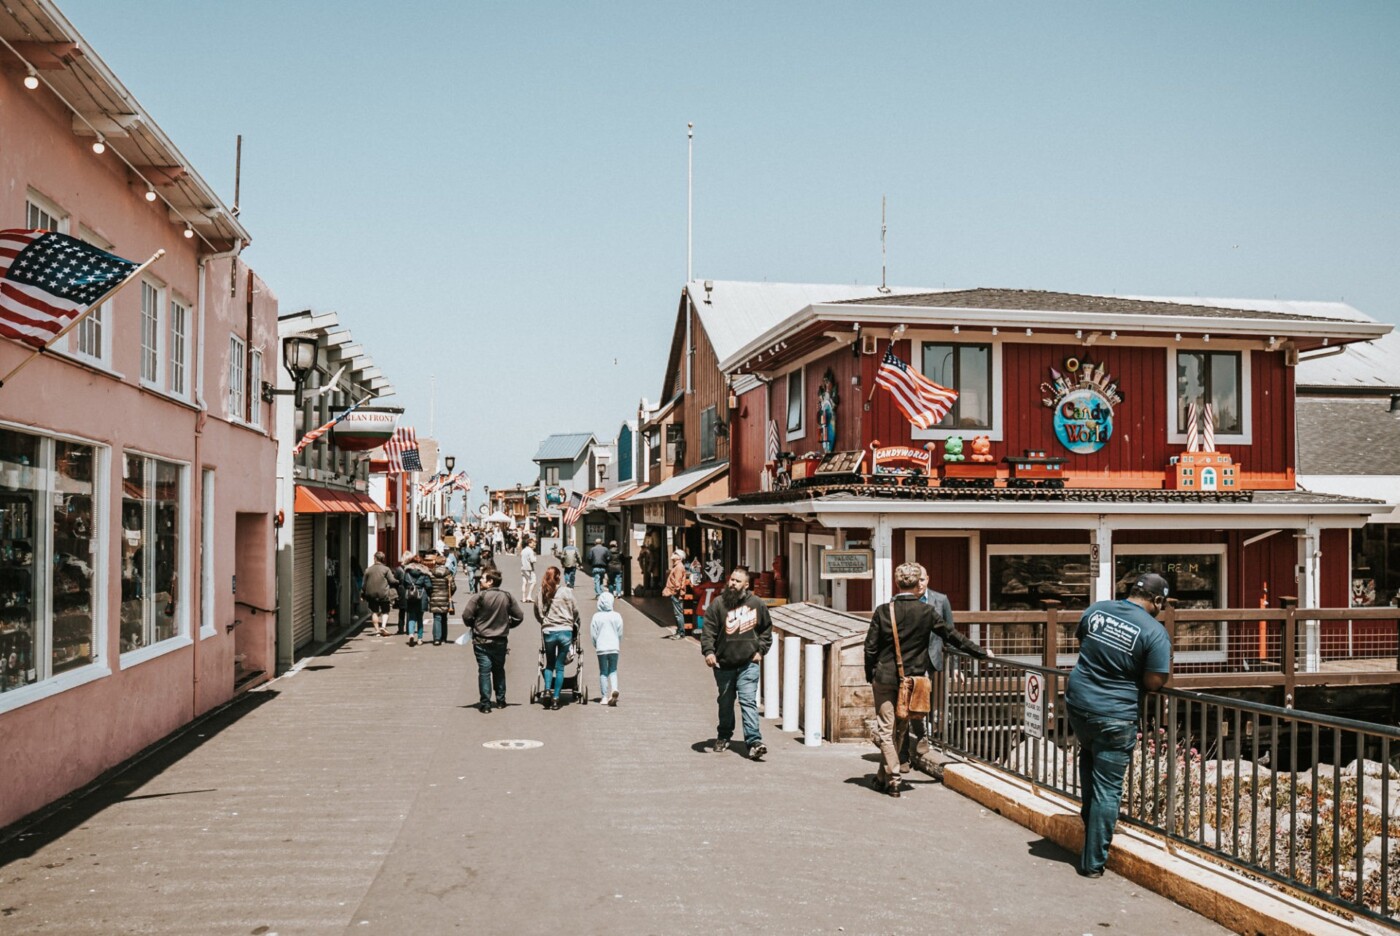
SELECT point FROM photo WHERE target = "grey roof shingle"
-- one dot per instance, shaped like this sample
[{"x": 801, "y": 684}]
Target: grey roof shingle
[
  {"x": 1347, "y": 436},
  {"x": 565, "y": 446}
]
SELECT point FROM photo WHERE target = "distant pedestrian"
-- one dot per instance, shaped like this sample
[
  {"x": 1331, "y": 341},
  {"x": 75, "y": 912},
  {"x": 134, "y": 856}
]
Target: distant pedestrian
[
  {"x": 1123, "y": 652},
  {"x": 569, "y": 561},
  {"x": 381, "y": 585},
  {"x": 440, "y": 601},
  {"x": 490, "y": 614},
  {"x": 559, "y": 625},
  {"x": 452, "y": 562},
  {"x": 606, "y": 629},
  {"x": 471, "y": 559},
  {"x": 417, "y": 591},
  {"x": 677, "y": 581},
  {"x": 738, "y": 632},
  {"x": 615, "y": 568},
  {"x": 498, "y": 541},
  {"x": 527, "y": 571},
  {"x": 598, "y": 564}
]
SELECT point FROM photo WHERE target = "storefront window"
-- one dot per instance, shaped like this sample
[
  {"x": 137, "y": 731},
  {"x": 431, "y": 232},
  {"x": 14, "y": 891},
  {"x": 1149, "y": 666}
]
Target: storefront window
[
  {"x": 1213, "y": 377},
  {"x": 152, "y": 551},
  {"x": 48, "y": 567},
  {"x": 1196, "y": 579},
  {"x": 1375, "y": 565},
  {"x": 1024, "y": 580}
]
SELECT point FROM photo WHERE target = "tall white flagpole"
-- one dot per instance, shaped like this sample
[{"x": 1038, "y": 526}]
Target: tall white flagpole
[{"x": 689, "y": 194}]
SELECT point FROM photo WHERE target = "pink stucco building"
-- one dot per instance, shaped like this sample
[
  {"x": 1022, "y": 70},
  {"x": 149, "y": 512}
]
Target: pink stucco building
[{"x": 137, "y": 462}]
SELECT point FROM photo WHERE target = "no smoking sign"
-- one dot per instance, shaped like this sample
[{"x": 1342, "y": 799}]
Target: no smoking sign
[{"x": 1035, "y": 712}]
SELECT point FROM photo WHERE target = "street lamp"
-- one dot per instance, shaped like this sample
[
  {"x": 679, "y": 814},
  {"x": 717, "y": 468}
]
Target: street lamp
[
  {"x": 299, "y": 359},
  {"x": 450, "y": 461}
]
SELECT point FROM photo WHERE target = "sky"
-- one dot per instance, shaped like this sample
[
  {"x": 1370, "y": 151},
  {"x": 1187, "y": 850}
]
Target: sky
[{"x": 493, "y": 195}]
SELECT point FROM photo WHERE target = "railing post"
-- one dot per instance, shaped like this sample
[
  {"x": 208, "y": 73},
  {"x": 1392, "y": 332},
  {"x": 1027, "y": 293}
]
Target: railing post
[
  {"x": 1050, "y": 651},
  {"x": 1290, "y": 655}
]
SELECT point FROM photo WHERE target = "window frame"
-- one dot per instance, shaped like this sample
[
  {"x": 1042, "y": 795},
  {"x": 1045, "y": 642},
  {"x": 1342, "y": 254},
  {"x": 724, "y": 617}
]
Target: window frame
[
  {"x": 179, "y": 358},
  {"x": 709, "y": 443},
  {"x": 1246, "y": 434},
  {"x": 37, "y": 201},
  {"x": 800, "y": 432},
  {"x": 1221, "y": 552},
  {"x": 181, "y": 637},
  {"x": 995, "y": 432},
  {"x": 95, "y": 321},
  {"x": 236, "y": 403},
  {"x": 151, "y": 319},
  {"x": 255, "y": 369}
]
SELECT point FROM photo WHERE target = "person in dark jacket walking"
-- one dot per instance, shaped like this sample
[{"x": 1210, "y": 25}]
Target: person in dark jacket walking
[
  {"x": 615, "y": 568},
  {"x": 737, "y": 633},
  {"x": 916, "y": 742},
  {"x": 916, "y": 622},
  {"x": 440, "y": 602},
  {"x": 598, "y": 563},
  {"x": 380, "y": 586},
  {"x": 417, "y": 591},
  {"x": 490, "y": 614},
  {"x": 471, "y": 559},
  {"x": 569, "y": 561}
]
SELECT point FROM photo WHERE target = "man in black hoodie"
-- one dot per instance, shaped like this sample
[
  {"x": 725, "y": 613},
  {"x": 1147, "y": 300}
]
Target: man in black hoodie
[{"x": 737, "y": 633}]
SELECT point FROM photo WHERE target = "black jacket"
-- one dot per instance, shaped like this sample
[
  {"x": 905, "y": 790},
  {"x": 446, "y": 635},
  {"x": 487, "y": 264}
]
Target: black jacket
[
  {"x": 734, "y": 635},
  {"x": 917, "y": 621},
  {"x": 491, "y": 613},
  {"x": 598, "y": 557}
]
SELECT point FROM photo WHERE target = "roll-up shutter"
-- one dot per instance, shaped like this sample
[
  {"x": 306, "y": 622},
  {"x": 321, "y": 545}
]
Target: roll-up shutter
[{"x": 303, "y": 578}]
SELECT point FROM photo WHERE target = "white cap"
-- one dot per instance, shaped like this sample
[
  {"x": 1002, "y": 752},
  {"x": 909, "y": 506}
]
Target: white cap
[{"x": 678, "y": 554}]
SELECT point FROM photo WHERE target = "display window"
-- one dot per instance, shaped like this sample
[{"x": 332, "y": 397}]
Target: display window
[
  {"x": 1375, "y": 565},
  {"x": 1196, "y": 577},
  {"x": 49, "y": 557},
  {"x": 1024, "y": 578},
  {"x": 153, "y": 551}
]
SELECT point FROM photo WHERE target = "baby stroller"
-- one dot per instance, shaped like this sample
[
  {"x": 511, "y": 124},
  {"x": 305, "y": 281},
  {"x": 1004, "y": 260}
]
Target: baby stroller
[{"x": 575, "y": 685}]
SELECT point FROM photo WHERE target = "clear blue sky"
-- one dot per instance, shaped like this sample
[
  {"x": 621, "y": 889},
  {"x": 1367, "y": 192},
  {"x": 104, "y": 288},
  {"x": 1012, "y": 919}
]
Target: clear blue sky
[{"x": 494, "y": 193}]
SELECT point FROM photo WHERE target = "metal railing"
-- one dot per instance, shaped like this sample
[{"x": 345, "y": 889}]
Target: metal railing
[{"x": 1308, "y": 801}]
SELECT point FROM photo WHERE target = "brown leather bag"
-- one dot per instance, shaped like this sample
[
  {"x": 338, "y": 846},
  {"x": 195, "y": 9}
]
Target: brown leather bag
[{"x": 915, "y": 692}]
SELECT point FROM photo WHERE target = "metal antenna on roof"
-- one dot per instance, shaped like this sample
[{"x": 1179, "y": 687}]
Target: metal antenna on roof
[
  {"x": 689, "y": 189},
  {"x": 883, "y": 287}
]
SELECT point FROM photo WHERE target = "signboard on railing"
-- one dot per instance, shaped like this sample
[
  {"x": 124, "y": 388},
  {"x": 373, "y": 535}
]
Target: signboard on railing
[
  {"x": 848, "y": 563},
  {"x": 1035, "y": 705}
]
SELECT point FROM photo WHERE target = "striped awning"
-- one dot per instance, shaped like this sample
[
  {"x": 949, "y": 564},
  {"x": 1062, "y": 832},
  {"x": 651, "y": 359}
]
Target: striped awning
[{"x": 328, "y": 500}]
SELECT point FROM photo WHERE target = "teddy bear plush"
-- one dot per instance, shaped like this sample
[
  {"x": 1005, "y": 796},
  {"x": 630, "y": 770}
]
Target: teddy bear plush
[
  {"x": 953, "y": 449},
  {"x": 982, "y": 449}
]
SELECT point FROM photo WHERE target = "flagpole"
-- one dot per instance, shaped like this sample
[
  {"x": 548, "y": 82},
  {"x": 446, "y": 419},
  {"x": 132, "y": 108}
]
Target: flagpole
[{"x": 85, "y": 313}]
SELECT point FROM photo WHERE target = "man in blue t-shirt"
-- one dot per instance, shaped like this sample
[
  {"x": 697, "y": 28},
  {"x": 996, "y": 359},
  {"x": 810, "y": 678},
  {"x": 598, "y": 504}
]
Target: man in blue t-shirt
[{"x": 1123, "y": 651}]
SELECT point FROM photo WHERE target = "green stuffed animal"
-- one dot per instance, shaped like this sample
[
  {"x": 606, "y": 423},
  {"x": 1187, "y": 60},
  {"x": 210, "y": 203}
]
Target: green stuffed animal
[{"x": 953, "y": 449}]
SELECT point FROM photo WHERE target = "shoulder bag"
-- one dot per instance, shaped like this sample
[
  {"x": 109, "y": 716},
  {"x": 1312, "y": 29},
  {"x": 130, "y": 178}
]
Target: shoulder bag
[{"x": 915, "y": 692}]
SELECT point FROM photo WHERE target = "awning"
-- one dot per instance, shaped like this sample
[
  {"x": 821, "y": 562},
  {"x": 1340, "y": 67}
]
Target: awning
[
  {"x": 609, "y": 501},
  {"x": 682, "y": 484},
  {"x": 311, "y": 500}
]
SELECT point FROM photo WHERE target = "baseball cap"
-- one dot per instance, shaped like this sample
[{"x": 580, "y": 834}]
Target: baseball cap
[
  {"x": 1153, "y": 584},
  {"x": 678, "y": 554}
]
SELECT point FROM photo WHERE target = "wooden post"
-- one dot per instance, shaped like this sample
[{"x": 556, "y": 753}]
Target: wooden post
[{"x": 1049, "y": 656}]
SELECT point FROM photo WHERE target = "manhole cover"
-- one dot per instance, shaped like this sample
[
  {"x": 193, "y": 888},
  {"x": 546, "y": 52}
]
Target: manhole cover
[{"x": 512, "y": 745}]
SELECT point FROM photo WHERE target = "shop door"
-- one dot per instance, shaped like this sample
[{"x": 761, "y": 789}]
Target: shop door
[
  {"x": 303, "y": 577},
  {"x": 945, "y": 557}
]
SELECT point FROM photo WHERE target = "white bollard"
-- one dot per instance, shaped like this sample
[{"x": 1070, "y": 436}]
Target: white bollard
[
  {"x": 770, "y": 681},
  {"x": 792, "y": 676},
  {"x": 812, "y": 701}
]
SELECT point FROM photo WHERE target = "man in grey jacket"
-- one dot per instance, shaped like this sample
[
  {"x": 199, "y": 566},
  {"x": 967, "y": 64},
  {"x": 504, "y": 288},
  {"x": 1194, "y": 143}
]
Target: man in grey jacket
[{"x": 490, "y": 614}]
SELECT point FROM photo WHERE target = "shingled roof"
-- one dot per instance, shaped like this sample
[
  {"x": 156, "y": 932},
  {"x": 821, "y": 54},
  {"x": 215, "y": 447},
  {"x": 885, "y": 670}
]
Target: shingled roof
[{"x": 1347, "y": 436}]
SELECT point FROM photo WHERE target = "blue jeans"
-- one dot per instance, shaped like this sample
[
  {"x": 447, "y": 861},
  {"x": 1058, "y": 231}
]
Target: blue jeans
[
  {"x": 439, "y": 626},
  {"x": 415, "y": 622},
  {"x": 1105, "y": 746},
  {"x": 491, "y": 667},
  {"x": 556, "y": 654},
  {"x": 744, "y": 680},
  {"x": 472, "y": 573},
  {"x": 600, "y": 579},
  {"x": 678, "y": 609},
  {"x": 569, "y": 576},
  {"x": 617, "y": 584},
  {"x": 607, "y": 671}
]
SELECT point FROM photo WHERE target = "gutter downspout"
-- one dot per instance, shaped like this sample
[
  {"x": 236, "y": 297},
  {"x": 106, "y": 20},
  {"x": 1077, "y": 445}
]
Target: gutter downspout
[{"x": 197, "y": 483}]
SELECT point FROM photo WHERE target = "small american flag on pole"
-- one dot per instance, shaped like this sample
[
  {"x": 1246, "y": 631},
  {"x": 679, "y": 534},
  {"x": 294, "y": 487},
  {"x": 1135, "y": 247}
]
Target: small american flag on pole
[
  {"x": 402, "y": 451},
  {"x": 49, "y": 280},
  {"x": 578, "y": 503},
  {"x": 923, "y": 402}
]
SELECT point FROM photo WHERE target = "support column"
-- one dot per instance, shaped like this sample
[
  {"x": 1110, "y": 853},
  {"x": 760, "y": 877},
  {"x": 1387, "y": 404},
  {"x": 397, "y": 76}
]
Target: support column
[
  {"x": 838, "y": 586},
  {"x": 882, "y": 542},
  {"x": 771, "y": 709},
  {"x": 1101, "y": 558},
  {"x": 792, "y": 677},
  {"x": 812, "y": 701},
  {"x": 1310, "y": 592},
  {"x": 318, "y": 579},
  {"x": 345, "y": 600}
]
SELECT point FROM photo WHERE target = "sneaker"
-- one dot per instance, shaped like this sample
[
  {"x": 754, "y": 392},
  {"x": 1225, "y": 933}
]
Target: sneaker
[
  {"x": 612, "y": 699},
  {"x": 677, "y": 637},
  {"x": 484, "y": 708},
  {"x": 757, "y": 750},
  {"x": 719, "y": 745},
  {"x": 1096, "y": 873}
]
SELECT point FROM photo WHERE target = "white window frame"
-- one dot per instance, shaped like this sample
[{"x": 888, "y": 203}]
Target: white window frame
[
  {"x": 996, "y": 432},
  {"x": 34, "y": 201},
  {"x": 255, "y": 388},
  {"x": 1246, "y": 435},
  {"x": 179, "y": 359},
  {"x": 753, "y": 551},
  {"x": 551, "y": 475},
  {"x": 152, "y": 331},
  {"x": 98, "y": 668},
  {"x": 207, "y": 540},
  {"x": 797, "y": 571},
  {"x": 181, "y": 637},
  {"x": 1188, "y": 549},
  {"x": 817, "y": 543},
  {"x": 95, "y": 323},
  {"x": 236, "y": 401},
  {"x": 800, "y": 432}
]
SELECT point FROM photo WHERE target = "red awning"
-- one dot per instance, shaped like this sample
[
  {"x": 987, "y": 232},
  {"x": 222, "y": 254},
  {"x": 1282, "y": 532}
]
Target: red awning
[{"x": 326, "y": 500}]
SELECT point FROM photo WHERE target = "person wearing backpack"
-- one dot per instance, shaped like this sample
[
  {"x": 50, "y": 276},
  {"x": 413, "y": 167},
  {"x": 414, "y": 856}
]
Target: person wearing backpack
[
  {"x": 440, "y": 600},
  {"x": 615, "y": 568},
  {"x": 606, "y": 629},
  {"x": 417, "y": 591}
]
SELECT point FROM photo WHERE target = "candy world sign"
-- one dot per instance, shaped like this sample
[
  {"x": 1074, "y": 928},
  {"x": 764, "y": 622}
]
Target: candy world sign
[{"x": 1082, "y": 399}]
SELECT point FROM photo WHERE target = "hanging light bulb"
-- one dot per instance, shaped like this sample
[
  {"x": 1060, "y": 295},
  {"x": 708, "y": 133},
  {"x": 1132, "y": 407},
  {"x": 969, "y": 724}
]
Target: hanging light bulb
[
  {"x": 150, "y": 192},
  {"x": 189, "y": 230},
  {"x": 31, "y": 80},
  {"x": 99, "y": 145}
]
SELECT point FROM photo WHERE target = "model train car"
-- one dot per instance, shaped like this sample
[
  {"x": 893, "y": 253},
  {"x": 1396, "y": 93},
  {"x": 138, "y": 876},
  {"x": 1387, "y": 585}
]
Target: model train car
[{"x": 1035, "y": 470}]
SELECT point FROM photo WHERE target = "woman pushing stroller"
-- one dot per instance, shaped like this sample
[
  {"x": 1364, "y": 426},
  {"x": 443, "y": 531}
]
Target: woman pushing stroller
[{"x": 559, "y": 623}]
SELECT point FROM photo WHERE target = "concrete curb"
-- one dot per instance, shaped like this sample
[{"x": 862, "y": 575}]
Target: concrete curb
[{"x": 1205, "y": 888}]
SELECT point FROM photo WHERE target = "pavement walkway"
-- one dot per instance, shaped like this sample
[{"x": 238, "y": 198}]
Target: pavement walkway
[{"x": 354, "y": 796}]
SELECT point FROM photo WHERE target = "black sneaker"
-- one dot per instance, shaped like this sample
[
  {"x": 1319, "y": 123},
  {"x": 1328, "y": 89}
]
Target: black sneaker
[
  {"x": 757, "y": 750},
  {"x": 484, "y": 707},
  {"x": 1096, "y": 873},
  {"x": 719, "y": 745}
]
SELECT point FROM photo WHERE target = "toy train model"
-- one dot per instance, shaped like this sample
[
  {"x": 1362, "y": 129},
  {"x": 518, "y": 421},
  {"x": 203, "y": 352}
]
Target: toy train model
[{"x": 909, "y": 467}]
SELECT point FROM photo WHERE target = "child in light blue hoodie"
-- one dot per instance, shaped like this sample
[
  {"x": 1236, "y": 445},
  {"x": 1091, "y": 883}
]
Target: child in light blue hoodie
[{"x": 606, "y": 628}]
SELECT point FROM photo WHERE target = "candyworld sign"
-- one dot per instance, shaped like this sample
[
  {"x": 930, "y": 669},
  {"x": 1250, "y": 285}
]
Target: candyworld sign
[{"x": 1082, "y": 400}]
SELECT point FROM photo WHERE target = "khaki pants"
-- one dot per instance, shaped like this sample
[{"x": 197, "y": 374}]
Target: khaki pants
[{"x": 889, "y": 731}]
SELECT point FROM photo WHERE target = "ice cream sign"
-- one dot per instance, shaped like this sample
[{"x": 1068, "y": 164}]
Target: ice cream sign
[{"x": 1082, "y": 399}]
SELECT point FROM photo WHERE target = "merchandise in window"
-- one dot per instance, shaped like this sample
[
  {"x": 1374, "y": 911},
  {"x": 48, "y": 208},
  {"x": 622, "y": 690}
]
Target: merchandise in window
[
  {"x": 1214, "y": 377},
  {"x": 966, "y": 368},
  {"x": 48, "y": 557},
  {"x": 1195, "y": 580},
  {"x": 152, "y": 498}
]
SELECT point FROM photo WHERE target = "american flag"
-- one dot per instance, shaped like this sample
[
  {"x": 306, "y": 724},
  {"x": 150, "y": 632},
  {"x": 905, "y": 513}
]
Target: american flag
[
  {"x": 578, "y": 503},
  {"x": 319, "y": 431},
  {"x": 402, "y": 451},
  {"x": 923, "y": 402},
  {"x": 47, "y": 280}
]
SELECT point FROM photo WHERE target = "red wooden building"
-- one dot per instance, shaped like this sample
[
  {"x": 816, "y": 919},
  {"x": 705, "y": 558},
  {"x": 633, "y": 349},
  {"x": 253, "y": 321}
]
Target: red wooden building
[{"x": 1104, "y": 382}]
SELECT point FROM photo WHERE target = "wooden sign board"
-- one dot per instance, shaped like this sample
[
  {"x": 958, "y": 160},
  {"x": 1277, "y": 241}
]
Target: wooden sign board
[{"x": 848, "y": 563}]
